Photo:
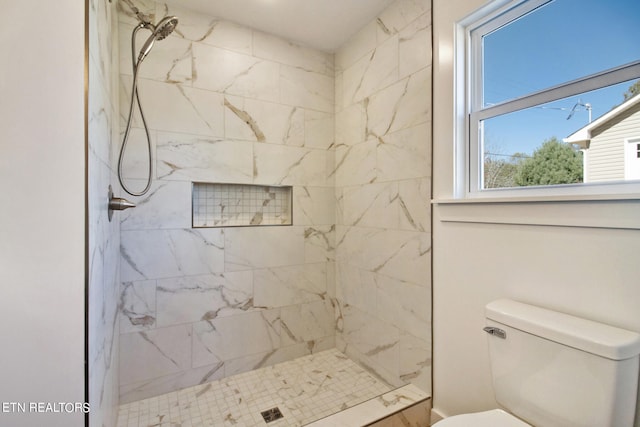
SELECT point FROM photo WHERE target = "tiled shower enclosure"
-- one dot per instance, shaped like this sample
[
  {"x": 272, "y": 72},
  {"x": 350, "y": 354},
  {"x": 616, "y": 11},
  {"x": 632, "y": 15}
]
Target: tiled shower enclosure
[{"x": 348, "y": 132}]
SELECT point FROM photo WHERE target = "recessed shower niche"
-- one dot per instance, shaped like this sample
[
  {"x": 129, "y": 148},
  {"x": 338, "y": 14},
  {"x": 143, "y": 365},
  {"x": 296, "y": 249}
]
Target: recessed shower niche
[{"x": 237, "y": 205}]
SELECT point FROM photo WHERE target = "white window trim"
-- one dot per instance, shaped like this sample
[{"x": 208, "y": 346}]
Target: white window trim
[
  {"x": 469, "y": 111},
  {"x": 627, "y": 148}
]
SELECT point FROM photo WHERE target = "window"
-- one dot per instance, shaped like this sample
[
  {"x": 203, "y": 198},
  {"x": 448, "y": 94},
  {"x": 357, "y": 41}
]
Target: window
[
  {"x": 551, "y": 91},
  {"x": 632, "y": 161}
]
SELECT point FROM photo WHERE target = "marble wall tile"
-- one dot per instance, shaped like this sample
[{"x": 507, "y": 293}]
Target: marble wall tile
[
  {"x": 306, "y": 89},
  {"x": 253, "y": 120},
  {"x": 208, "y": 344},
  {"x": 400, "y": 254},
  {"x": 103, "y": 236},
  {"x": 415, "y": 360},
  {"x": 154, "y": 254},
  {"x": 135, "y": 163},
  {"x": 273, "y": 357},
  {"x": 229, "y": 72},
  {"x": 167, "y": 205},
  {"x": 313, "y": 205},
  {"x": 338, "y": 101},
  {"x": 339, "y": 214},
  {"x": 356, "y": 287},
  {"x": 126, "y": 7},
  {"x": 307, "y": 322},
  {"x": 196, "y": 298},
  {"x": 228, "y": 338},
  {"x": 350, "y": 125},
  {"x": 383, "y": 194},
  {"x": 360, "y": 44},
  {"x": 156, "y": 386},
  {"x": 330, "y": 167},
  {"x": 284, "y": 165},
  {"x": 415, "y": 204},
  {"x": 399, "y": 106},
  {"x": 398, "y": 15},
  {"x": 318, "y": 130},
  {"x": 415, "y": 46},
  {"x": 356, "y": 164},
  {"x": 405, "y": 154},
  {"x": 404, "y": 305},
  {"x": 255, "y": 248},
  {"x": 406, "y": 256},
  {"x": 101, "y": 119},
  {"x": 371, "y": 73},
  {"x": 137, "y": 306},
  {"x": 152, "y": 354},
  {"x": 101, "y": 40},
  {"x": 169, "y": 61},
  {"x": 185, "y": 157},
  {"x": 285, "y": 286},
  {"x": 209, "y": 30},
  {"x": 373, "y": 205},
  {"x": 375, "y": 341},
  {"x": 277, "y": 49},
  {"x": 319, "y": 243},
  {"x": 174, "y": 108}
]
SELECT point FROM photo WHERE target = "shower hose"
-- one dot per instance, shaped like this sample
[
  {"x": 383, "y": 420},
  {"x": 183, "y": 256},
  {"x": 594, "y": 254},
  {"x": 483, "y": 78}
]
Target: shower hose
[{"x": 134, "y": 96}]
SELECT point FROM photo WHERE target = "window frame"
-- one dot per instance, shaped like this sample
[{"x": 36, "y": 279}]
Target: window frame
[
  {"x": 469, "y": 83},
  {"x": 636, "y": 150}
]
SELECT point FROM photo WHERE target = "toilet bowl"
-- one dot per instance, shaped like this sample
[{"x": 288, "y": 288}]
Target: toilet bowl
[{"x": 494, "y": 418}]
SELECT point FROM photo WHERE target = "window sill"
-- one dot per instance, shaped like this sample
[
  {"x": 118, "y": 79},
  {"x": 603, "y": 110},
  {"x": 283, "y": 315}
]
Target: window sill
[{"x": 591, "y": 211}]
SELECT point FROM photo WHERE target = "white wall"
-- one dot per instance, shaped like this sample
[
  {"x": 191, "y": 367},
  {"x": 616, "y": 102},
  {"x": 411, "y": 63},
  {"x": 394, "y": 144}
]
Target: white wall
[
  {"x": 573, "y": 260},
  {"x": 43, "y": 215}
]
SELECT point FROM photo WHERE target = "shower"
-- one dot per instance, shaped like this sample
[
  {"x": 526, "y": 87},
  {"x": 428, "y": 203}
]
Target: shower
[{"x": 158, "y": 32}]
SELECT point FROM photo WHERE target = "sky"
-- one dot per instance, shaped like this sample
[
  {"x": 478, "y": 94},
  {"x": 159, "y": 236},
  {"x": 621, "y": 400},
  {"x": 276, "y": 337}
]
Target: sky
[{"x": 559, "y": 42}]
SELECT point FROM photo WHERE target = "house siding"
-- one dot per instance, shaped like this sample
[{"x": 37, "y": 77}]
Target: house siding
[{"x": 605, "y": 161}]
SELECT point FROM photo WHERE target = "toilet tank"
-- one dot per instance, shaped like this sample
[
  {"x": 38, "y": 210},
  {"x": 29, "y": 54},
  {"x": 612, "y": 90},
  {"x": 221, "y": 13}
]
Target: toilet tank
[{"x": 552, "y": 369}]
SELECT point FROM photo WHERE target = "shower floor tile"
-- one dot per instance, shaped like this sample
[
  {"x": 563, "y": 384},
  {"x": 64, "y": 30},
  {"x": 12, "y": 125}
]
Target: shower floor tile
[{"x": 304, "y": 390}]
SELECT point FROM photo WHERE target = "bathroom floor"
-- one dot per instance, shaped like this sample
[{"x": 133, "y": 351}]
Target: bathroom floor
[{"x": 304, "y": 390}]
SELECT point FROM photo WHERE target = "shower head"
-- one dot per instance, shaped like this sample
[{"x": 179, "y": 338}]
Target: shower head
[
  {"x": 166, "y": 26},
  {"x": 160, "y": 32}
]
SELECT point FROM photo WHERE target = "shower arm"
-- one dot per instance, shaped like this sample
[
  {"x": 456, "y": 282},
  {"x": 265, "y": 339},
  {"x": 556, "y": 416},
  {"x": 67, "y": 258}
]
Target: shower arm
[{"x": 141, "y": 17}]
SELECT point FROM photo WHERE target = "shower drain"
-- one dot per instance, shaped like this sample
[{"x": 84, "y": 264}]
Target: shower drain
[{"x": 271, "y": 414}]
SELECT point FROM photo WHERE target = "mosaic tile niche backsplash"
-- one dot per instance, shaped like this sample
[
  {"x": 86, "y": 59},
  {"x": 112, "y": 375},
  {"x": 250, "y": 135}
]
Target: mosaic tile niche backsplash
[{"x": 233, "y": 205}]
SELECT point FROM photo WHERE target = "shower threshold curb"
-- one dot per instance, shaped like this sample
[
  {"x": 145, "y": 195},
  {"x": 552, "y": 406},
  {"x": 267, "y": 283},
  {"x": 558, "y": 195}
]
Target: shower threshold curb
[{"x": 376, "y": 409}]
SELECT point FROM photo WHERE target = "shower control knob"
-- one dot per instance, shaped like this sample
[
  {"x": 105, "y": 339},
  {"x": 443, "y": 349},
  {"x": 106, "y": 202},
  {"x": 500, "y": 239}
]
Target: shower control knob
[{"x": 118, "y": 204}]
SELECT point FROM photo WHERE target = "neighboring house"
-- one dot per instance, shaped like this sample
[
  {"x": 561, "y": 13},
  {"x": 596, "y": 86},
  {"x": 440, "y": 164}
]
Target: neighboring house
[{"x": 611, "y": 144}]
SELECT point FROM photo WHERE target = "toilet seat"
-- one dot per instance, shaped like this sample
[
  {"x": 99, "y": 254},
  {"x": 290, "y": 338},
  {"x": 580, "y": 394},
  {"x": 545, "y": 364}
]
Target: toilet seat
[{"x": 493, "y": 418}]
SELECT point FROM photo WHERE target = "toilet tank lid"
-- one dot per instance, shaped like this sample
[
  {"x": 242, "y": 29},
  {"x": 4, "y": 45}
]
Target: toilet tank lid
[{"x": 587, "y": 335}]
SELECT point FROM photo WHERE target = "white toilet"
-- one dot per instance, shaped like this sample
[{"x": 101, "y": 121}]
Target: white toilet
[{"x": 550, "y": 369}]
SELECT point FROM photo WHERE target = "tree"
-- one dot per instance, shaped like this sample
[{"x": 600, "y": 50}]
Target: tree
[
  {"x": 552, "y": 163},
  {"x": 632, "y": 91},
  {"x": 501, "y": 173}
]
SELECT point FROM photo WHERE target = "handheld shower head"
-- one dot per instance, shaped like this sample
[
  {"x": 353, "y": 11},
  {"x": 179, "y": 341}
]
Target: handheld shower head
[
  {"x": 166, "y": 26},
  {"x": 160, "y": 32}
]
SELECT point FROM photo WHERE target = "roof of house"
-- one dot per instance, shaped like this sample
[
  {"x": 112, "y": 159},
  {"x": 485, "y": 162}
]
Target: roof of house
[{"x": 582, "y": 136}]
